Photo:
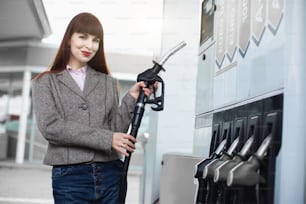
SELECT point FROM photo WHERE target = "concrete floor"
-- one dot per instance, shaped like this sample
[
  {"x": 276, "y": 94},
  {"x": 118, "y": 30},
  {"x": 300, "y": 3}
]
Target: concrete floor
[{"x": 31, "y": 184}]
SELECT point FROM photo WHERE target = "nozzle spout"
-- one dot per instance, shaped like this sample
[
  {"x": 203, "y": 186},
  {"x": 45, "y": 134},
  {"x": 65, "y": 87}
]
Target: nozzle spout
[{"x": 172, "y": 52}]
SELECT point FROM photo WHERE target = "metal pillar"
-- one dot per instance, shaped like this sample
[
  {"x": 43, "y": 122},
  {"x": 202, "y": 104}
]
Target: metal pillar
[{"x": 21, "y": 140}]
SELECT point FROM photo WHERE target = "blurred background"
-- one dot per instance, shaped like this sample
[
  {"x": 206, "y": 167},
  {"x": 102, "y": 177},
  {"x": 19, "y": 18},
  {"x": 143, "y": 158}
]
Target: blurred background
[
  {"x": 244, "y": 62},
  {"x": 135, "y": 33}
]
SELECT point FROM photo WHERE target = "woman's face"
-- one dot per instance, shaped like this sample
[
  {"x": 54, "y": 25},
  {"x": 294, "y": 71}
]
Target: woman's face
[{"x": 83, "y": 48}]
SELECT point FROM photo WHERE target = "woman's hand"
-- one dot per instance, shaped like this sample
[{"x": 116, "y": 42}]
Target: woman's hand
[
  {"x": 134, "y": 91},
  {"x": 123, "y": 142}
]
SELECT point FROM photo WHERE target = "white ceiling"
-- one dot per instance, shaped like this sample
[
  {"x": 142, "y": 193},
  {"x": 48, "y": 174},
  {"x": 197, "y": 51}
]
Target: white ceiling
[{"x": 22, "y": 20}]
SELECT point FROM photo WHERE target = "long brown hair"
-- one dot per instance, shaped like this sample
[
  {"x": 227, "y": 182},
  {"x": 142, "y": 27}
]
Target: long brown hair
[{"x": 81, "y": 23}]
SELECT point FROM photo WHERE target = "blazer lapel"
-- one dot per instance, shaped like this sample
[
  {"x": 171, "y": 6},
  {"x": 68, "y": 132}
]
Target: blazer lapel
[
  {"x": 66, "y": 79},
  {"x": 91, "y": 81}
]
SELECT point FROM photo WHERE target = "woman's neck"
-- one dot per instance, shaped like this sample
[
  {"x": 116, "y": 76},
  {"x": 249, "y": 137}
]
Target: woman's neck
[{"x": 76, "y": 66}]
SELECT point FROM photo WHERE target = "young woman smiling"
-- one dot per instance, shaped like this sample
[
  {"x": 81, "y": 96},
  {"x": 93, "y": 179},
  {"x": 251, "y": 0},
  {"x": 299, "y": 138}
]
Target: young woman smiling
[{"x": 77, "y": 110}]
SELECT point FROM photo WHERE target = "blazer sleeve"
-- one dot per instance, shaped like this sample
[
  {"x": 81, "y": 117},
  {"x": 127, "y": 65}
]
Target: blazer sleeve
[
  {"x": 122, "y": 115},
  {"x": 58, "y": 131}
]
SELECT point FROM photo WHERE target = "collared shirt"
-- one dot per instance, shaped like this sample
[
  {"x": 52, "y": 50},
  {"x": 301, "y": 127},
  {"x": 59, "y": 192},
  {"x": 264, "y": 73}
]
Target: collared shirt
[{"x": 78, "y": 75}]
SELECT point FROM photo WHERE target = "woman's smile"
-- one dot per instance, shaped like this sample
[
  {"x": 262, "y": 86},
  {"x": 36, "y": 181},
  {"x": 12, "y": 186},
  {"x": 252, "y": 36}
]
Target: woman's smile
[{"x": 86, "y": 54}]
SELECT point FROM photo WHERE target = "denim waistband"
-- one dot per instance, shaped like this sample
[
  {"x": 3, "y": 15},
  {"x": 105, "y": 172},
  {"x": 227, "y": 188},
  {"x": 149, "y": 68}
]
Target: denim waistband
[{"x": 86, "y": 163}]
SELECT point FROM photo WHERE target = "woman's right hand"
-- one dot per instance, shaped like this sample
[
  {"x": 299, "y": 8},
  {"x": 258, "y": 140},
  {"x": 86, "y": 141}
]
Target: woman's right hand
[{"x": 123, "y": 142}]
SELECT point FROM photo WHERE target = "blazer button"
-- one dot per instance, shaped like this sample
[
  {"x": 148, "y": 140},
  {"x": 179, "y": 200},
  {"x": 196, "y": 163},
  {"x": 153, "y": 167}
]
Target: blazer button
[{"x": 84, "y": 106}]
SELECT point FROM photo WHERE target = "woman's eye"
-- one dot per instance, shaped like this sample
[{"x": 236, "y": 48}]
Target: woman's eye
[{"x": 96, "y": 40}]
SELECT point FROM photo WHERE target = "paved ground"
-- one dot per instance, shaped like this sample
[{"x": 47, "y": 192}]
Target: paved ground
[{"x": 31, "y": 184}]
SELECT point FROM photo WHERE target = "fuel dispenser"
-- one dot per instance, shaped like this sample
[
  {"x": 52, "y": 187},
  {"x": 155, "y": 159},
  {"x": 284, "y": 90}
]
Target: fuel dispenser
[
  {"x": 248, "y": 55},
  {"x": 243, "y": 172}
]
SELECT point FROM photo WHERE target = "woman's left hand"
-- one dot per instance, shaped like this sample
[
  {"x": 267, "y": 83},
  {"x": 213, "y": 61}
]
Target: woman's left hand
[{"x": 134, "y": 91}]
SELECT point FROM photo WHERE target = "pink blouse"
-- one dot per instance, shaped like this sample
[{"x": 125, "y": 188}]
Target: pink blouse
[{"x": 78, "y": 75}]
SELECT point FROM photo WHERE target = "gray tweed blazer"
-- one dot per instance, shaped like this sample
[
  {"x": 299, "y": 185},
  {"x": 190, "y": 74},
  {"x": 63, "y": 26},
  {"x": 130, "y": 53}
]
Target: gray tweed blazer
[{"x": 79, "y": 125}]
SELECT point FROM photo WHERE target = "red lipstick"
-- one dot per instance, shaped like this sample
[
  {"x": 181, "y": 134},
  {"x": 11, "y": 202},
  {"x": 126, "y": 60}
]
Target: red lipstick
[{"x": 86, "y": 54}]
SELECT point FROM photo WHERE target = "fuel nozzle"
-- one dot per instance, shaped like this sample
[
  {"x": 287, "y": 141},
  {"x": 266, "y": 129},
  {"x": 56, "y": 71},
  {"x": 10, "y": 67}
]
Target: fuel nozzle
[
  {"x": 220, "y": 174},
  {"x": 209, "y": 169},
  {"x": 245, "y": 173},
  {"x": 171, "y": 52},
  {"x": 158, "y": 66},
  {"x": 150, "y": 76}
]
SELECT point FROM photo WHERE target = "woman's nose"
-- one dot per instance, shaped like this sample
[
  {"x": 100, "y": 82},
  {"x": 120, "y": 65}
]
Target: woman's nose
[{"x": 89, "y": 44}]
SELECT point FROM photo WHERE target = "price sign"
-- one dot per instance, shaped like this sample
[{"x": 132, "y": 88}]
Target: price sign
[
  {"x": 221, "y": 31},
  {"x": 232, "y": 28},
  {"x": 244, "y": 26},
  {"x": 258, "y": 19},
  {"x": 275, "y": 14}
]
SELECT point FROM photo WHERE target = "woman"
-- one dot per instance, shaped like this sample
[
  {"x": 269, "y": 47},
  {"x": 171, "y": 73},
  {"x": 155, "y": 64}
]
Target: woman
[{"x": 77, "y": 111}]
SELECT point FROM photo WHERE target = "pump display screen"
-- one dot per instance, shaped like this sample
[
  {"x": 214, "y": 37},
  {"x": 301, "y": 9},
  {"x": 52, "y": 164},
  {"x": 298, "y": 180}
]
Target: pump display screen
[{"x": 207, "y": 20}]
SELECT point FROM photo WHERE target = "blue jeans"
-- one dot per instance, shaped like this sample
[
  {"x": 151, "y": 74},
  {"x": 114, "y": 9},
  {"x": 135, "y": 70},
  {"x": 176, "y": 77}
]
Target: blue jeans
[{"x": 94, "y": 183}]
